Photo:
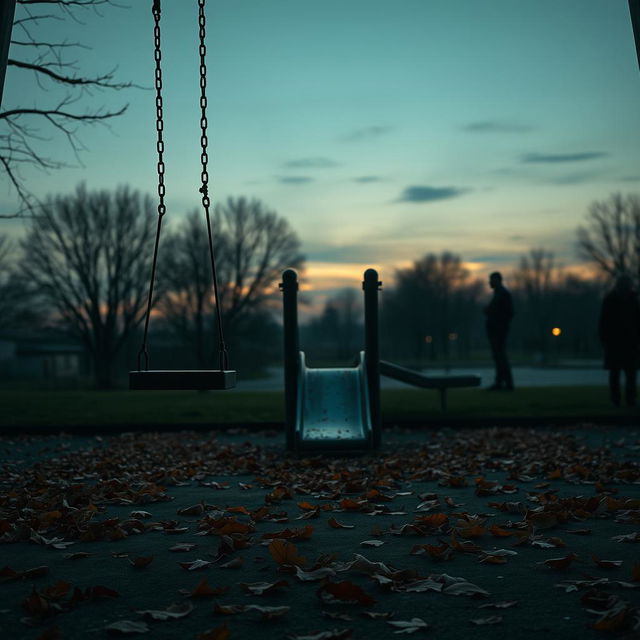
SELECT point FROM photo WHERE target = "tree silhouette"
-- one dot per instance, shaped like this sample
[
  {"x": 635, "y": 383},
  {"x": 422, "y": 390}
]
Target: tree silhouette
[
  {"x": 535, "y": 280},
  {"x": 28, "y": 131},
  {"x": 431, "y": 304},
  {"x": 253, "y": 245},
  {"x": 611, "y": 238},
  {"x": 89, "y": 255},
  {"x": 19, "y": 304}
]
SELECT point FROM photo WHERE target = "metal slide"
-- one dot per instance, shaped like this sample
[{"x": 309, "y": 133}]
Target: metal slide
[{"x": 333, "y": 408}]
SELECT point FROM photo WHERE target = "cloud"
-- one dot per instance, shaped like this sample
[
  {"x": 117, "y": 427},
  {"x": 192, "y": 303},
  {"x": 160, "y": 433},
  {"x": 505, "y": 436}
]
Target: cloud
[
  {"x": 421, "y": 193},
  {"x": 311, "y": 163},
  {"x": 630, "y": 179},
  {"x": 294, "y": 179},
  {"x": 574, "y": 178},
  {"x": 563, "y": 157},
  {"x": 366, "y": 133},
  {"x": 496, "y": 126},
  {"x": 367, "y": 179}
]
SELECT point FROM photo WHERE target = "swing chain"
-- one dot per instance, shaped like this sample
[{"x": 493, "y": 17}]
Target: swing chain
[
  {"x": 159, "y": 110},
  {"x": 157, "y": 56},
  {"x": 204, "y": 141},
  {"x": 204, "y": 176}
]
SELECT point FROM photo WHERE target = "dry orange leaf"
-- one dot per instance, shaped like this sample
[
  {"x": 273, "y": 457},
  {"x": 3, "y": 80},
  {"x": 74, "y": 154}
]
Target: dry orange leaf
[
  {"x": 433, "y": 520},
  {"x": 499, "y": 532},
  {"x": 346, "y": 591},
  {"x": 284, "y": 552},
  {"x": 204, "y": 590},
  {"x": 141, "y": 561},
  {"x": 219, "y": 633}
]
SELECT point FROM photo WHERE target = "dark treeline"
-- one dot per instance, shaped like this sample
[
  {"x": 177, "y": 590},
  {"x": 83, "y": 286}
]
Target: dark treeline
[
  {"x": 81, "y": 273},
  {"x": 432, "y": 314}
]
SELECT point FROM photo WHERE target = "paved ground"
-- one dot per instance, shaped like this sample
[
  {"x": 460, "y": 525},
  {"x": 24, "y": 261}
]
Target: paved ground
[
  {"x": 523, "y": 377},
  {"x": 484, "y": 533}
]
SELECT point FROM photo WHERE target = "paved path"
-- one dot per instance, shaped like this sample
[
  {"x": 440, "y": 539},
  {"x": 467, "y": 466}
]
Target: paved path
[{"x": 523, "y": 377}]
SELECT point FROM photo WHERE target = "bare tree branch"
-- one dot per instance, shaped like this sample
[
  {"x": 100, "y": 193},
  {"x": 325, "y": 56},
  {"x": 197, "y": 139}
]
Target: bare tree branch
[{"x": 25, "y": 130}]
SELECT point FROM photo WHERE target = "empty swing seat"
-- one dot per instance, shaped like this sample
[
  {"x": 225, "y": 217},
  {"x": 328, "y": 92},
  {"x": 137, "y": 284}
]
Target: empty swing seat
[{"x": 182, "y": 380}]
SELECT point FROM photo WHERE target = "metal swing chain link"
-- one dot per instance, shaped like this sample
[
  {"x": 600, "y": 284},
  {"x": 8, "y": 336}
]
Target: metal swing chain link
[
  {"x": 204, "y": 176},
  {"x": 157, "y": 55}
]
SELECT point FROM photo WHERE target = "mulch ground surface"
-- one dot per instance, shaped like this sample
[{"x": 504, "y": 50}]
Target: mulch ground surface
[{"x": 477, "y": 533}]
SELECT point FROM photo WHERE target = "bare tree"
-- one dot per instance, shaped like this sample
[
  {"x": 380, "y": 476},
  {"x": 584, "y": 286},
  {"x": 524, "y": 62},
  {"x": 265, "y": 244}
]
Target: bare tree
[
  {"x": 185, "y": 271},
  {"x": 535, "y": 280},
  {"x": 89, "y": 254},
  {"x": 19, "y": 305},
  {"x": 253, "y": 245},
  {"x": 611, "y": 237},
  {"x": 29, "y": 131},
  {"x": 431, "y": 306}
]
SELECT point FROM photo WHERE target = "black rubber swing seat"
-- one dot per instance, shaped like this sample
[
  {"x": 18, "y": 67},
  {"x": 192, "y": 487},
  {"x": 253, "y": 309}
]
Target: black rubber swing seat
[{"x": 182, "y": 380}]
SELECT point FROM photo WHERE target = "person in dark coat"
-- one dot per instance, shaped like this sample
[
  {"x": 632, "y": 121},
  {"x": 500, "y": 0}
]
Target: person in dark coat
[
  {"x": 619, "y": 330},
  {"x": 499, "y": 313}
]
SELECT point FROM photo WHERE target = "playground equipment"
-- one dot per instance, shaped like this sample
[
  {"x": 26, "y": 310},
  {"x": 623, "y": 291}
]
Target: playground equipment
[
  {"x": 339, "y": 408},
  {"x": 212, "y": 379},
  {"x": 331, "y": 408}
]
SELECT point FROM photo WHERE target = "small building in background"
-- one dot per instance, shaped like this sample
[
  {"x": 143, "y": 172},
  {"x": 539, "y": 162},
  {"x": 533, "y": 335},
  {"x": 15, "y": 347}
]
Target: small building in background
[{"x": 40, "y": 356}]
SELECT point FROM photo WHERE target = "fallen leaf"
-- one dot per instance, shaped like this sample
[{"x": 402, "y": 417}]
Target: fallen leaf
[
  {"x": 336, "y": 615},
  {"x": 560, "y": 563},
  {"x": 285, "y": 553},
  {"x": 236, "y": 563},
  {"x": 141, "y": 561},
  {"x": 371, "y": 543},
  {"x": 268, "y": 613},
  {"x": 317, "y": 574},
  {"x": 183, "y": 546},
  {"x": 504, "y": 604},
  {"x": 408, "y": 626},
  {"x": 489, "y": 620},
  {"x": 260, "y": 588},
  {"x": 607, "y": 564},
  {"x": 345, "y": 591},
  {"x": 172, "y": 612},
  {"x": 219, "y": 633},
  {"x": 204, "y": 590},
  {"x": 334, "y": 524},
  {"x": 127, "y": 627},
  {"x": 464, "y": 589},
  {"x": 228, "y": 609},
  {"x": 195, "y": 565}
]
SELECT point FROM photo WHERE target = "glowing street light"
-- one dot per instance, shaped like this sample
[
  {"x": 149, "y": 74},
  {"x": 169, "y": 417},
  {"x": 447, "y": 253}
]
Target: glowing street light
[{"x": 556, "y": 331}]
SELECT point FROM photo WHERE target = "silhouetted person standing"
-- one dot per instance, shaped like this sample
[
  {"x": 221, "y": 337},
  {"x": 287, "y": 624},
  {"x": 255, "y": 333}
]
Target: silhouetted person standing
[
  {"x": 619, "y": 329},
  {"x": 499, "y": 313}
]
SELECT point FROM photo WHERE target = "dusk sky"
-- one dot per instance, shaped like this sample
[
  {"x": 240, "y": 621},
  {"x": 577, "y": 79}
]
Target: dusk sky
[{"x": 381, "y": 130}]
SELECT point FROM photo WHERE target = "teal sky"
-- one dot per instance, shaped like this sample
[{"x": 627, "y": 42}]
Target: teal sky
[{"x": 381, "y": 129}]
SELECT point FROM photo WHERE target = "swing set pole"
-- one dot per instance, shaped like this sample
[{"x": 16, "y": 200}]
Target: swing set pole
[
  {"x": 634, "y": 10},
  {"x": 7, "y": 12}
]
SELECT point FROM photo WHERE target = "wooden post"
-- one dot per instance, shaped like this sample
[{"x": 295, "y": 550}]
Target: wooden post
[{"x": 7, "y": 11}]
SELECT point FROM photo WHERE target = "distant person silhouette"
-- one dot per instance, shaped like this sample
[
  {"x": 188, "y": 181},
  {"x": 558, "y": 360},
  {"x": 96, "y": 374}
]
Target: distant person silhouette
[
  {"x": 499, "y": 312},
  {"x": 619, "y": 330}
]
